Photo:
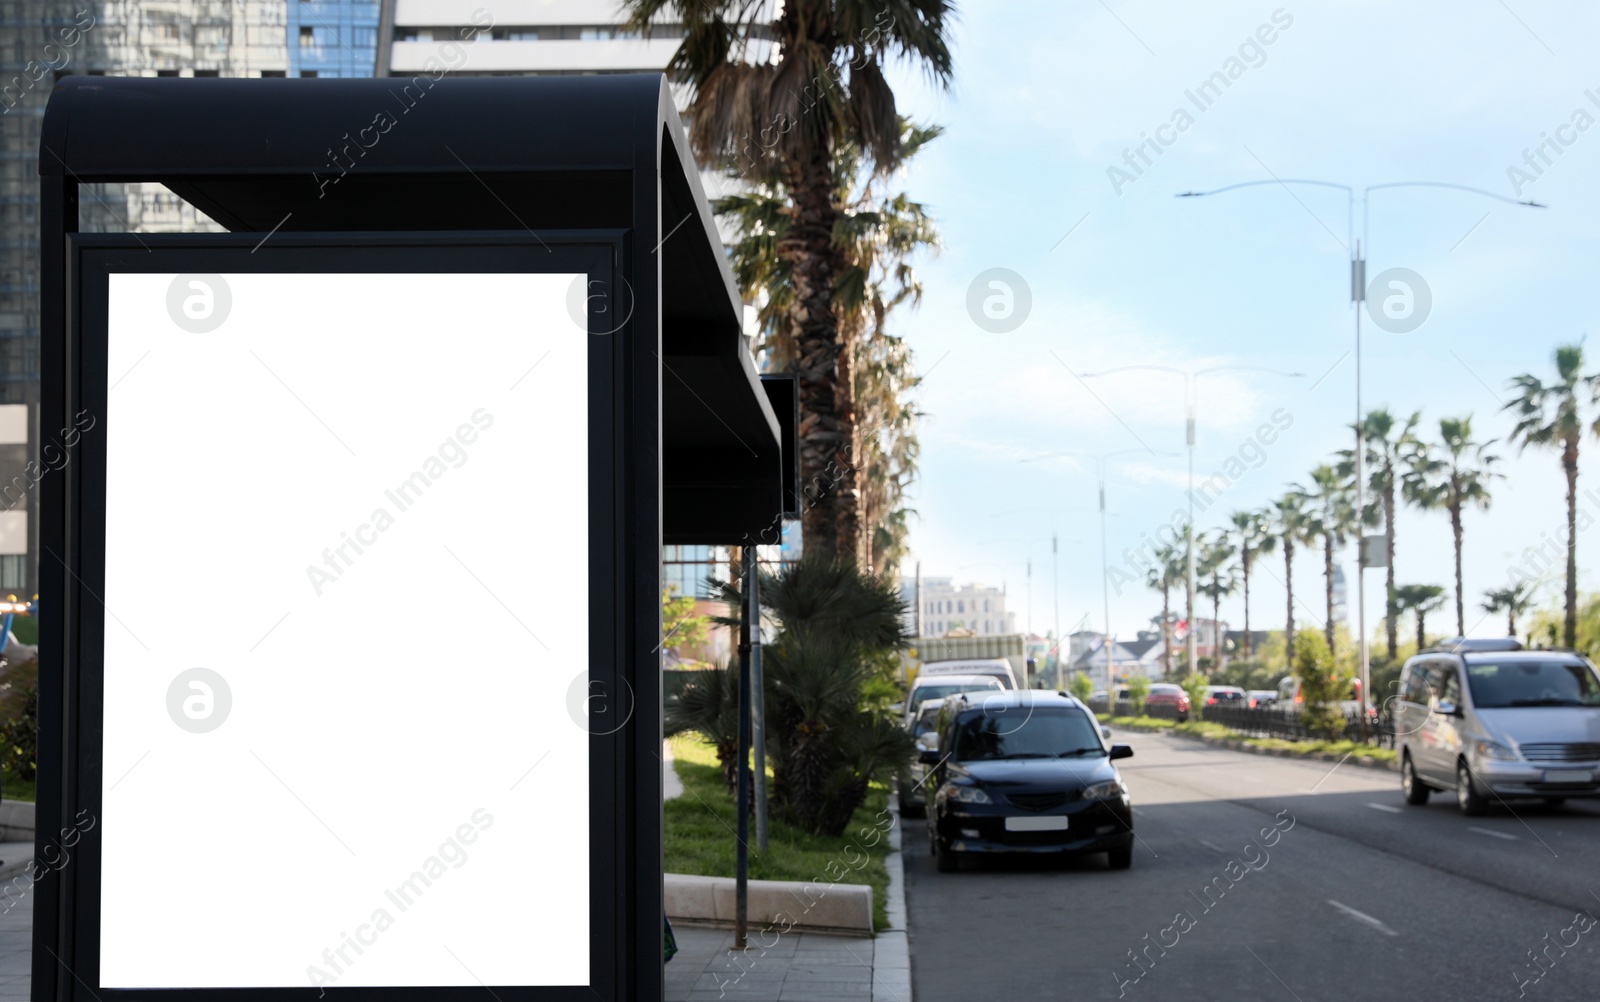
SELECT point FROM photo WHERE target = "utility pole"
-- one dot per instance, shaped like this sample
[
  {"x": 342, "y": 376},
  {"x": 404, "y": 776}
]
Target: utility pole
[
  {"x": 1055, "y": 572},
  {"x": 1358, "y": 295}
]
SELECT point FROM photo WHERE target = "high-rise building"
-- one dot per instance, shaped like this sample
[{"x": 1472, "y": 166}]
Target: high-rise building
[
  {"x": 332, "y": 38},
  {"x": 42, "y": 41}
]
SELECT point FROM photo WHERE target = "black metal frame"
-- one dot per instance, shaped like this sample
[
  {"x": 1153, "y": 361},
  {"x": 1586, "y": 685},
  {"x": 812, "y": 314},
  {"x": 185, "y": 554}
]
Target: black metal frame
[{"x": 624, "y": 498}]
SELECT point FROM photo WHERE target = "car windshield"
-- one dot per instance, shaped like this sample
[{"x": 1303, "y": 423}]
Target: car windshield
[
  {"x": 1050, "y": 733},
  {"x": 927, "y": 692},
  {"x": 1496, "y": 685}
]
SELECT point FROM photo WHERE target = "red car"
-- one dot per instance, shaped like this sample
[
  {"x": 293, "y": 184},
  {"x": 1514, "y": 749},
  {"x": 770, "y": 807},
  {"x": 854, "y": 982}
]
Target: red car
[{"x": 1165, "y": 695}]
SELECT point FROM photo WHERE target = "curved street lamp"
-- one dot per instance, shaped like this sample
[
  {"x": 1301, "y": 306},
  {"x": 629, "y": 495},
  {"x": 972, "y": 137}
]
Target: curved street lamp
[{"x": 1358, "y": 296}]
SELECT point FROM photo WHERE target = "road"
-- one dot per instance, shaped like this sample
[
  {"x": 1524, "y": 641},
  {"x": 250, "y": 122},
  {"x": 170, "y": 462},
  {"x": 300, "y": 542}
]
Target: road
[{"x": 1354, "y": 895}]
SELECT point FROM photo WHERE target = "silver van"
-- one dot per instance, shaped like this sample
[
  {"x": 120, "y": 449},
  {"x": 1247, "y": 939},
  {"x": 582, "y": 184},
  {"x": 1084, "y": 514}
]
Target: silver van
[{"x": 1491, "y": 721}]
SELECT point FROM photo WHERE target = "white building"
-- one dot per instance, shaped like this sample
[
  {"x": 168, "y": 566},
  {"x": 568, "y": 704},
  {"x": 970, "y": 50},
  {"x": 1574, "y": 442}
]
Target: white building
[{"x": 947, "y": 606}]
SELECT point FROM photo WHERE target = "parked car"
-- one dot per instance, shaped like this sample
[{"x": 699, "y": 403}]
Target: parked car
[
  {"x": 1000, "y": 668},
  {"x": 1163, "y": 695},
  {"x": 912, "y": 789},
  {"x": 1257, "y": 698},
  {"x": 1167, "y": 699},
  {"x": 1226, "y": 695},
  {"x": 925, "y": 687},
  {"x": 1034, "y": 776},
  {"x": 1491, "y": 722},
  {"x": 1289, "y": 696}
]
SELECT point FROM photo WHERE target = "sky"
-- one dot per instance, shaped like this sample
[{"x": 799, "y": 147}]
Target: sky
[{"x": 1050, "y": 95}]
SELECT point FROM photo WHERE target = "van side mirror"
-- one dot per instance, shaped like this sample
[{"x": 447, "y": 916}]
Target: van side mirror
[
  {"x": 928, "y": 741},
  {"x": 928, "y": 756},
  {"x": 1121, "y": 751},
  {"x": 1447, "y": 708}
]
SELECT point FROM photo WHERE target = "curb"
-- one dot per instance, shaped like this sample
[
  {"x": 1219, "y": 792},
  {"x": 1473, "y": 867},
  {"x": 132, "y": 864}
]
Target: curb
[
  {"x": 1239, "y": 744},
  {"x": 891, "y": 953}
]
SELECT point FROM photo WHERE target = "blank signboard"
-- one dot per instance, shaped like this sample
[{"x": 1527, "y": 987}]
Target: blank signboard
[{"x": 347, "y": 607}]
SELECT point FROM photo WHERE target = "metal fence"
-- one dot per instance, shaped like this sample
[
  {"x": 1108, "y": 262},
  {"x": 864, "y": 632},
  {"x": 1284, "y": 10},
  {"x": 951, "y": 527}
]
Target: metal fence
[{"x": 1287, "y": 722}]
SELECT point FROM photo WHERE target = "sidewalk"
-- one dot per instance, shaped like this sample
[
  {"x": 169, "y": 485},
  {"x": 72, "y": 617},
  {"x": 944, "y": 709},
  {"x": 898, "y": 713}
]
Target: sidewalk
[
  {"x": 797, "y": 966},
  {"x": 16, "y": 944}
]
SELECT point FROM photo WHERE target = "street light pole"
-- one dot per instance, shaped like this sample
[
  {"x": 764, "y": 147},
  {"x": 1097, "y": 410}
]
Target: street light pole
[
  {"x": 1190, "y": 637},
  {"x": 1358, "y": 295},
  {"x": 1358, "y": 281},
  {"x": 1055, "y": 574}
]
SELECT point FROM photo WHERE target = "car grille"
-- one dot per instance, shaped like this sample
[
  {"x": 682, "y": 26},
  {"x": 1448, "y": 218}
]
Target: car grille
[
  {"x": 1561, "y": 752},
  {"x": 1037, "y": 801}
]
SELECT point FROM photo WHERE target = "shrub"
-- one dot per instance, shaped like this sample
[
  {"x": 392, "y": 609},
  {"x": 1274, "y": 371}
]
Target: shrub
[
  {"x": 1138, "y": 692},
  {"x": 1321, "y": 684},
  {"x": 1081, "y": 687},
  {"x": 1195, "y": 687},
  {"x": 19, "y": 721}
]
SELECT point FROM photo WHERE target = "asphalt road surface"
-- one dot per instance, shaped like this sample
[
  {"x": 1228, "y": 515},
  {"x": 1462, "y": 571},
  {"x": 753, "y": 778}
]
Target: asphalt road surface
[{"x": 1351, "y": 894}]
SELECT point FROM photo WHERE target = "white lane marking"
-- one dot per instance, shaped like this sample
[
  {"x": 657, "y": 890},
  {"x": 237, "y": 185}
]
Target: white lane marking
[
  {"x": 1490, "y": 831},
  {"x": 1212, "y": 846},
  {"x": 1384, "y": 807},
  {"x": 1363, "y": 917}
]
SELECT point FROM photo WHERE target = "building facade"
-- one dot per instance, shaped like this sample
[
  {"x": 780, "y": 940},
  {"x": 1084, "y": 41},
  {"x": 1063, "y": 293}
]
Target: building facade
[
  {"x": 42, "y": 41},
  {"x": 947, "y": 607}
]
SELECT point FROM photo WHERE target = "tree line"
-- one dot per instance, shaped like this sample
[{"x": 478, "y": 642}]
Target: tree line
[{"x": 1445, "y": 468}]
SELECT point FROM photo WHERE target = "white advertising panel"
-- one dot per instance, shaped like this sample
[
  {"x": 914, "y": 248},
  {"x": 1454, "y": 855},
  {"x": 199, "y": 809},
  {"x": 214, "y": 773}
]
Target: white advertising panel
[{"x": 346, "y": 605}]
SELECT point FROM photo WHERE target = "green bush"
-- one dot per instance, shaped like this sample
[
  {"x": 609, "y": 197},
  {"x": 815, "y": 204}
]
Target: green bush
[
  {"x": 1138, "y": 692},
  {"x": 1081, "y": 686},
  {"x": 1321, "y": 684},
  {"x": 19, "y": 722},
  {"x": 1195, "y": 687}
]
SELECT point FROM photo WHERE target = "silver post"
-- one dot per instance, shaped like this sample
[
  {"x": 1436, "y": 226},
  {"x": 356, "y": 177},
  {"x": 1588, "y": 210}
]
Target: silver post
[
  {"x": 1358, "y": 292},
  {"x": 1191, "y": 645}
]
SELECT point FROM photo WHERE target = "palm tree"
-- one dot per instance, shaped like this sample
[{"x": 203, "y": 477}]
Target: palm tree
[
  {"x": 777, "y": 91},
  {"x": 879, "y": 234},
  {"x": 709, "y": 703},
  {"x": 1290, "y": 526},
  {"x": 1166, "y": 573},
  {"x": 1387, "y": 442},
  {"x": 1331, "y": 516},
  {"x": 1420, "y": 600},
  {"x": 1514, "y": 601},
  {"x": 1215, "y": 574},
  {"x": 1451, "y": 476},
  {"x": 1255, "y": 537},
  {"x": 1553, "y": 416}
]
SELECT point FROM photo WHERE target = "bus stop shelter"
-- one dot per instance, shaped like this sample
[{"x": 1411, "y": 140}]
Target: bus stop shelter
[{"x": 468, "y": 354}]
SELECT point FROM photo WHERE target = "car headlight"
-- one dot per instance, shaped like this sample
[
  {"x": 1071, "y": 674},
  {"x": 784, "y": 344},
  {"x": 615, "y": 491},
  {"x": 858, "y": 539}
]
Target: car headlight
[
  {"x": 1109, "y": 790},
  {"x": 966, "y": 794},
  {"x": 1494, "y": 750}
]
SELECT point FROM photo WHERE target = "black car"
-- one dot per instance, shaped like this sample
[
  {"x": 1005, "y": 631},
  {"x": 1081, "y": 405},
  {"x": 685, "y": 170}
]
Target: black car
[{"x": 1026, "y": 771}]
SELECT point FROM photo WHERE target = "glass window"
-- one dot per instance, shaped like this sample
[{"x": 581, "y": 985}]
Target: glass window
[
  {"x": 1045, "y": 734},
  {"x": 1449, "y": 685},
  {"x": 1532, "y": 683},
  {"x": 13, "y": 571}
]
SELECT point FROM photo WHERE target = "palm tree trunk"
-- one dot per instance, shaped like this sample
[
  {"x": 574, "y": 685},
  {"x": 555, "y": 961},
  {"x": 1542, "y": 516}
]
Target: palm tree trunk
[
  {"x": 1166, "y": 630},
  {"x": 1245, "y": 551},
  {"x": 1455, "y": 527},
  {"x": 1288, "y": 580},
  {"x": 1511, "y": 622},
  {"x": 1216, "y": 624},
  {"x": 1422, "y": 642},
  {"x": 826, "y": 432},
  {"x": 1392, "y": 606},
  {"x": 1327, "y": 574},
  {"x": 1569, "y": 462}
]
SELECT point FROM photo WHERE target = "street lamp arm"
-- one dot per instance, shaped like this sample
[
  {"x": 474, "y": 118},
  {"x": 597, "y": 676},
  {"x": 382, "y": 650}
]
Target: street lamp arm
[
  {"x": 1530, "y": 203},
  {"x": 1250, "y": 368},
  {"x": 1251, "y": 184},
  {"x": 1135, "y": 368}
]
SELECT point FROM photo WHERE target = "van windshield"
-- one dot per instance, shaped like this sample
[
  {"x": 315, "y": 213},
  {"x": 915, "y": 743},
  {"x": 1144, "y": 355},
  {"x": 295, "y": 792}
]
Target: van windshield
[
  {"x": 1498, "y": 685},
  {"x": 926, "y": 692}
]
